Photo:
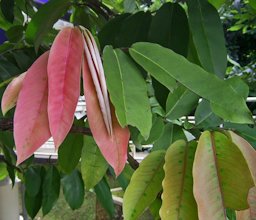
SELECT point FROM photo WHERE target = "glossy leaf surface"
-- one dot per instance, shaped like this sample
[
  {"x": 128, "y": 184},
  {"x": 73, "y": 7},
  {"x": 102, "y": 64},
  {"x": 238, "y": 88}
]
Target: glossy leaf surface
[
  {"x": 162, "y": 61},
  {"x": 144, "y": 186},
  {"x": 31, "y": 126},
  {"x": 64, "y": 68},
  {"x": 128, "y": 91},
  {"x": 177, "y": 198}
]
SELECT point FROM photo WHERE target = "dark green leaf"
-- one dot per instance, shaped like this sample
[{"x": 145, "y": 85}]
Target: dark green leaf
[
  {"x": 33, "y": 203},
  {"x": 208, "y": 36},
  {"x": 170, "y": 134},
  {"x": 81, "y": 16},
  {"x": 7, "y": 7},
  {"x": 104, "y": 196},
  {"x": 169, "y": 28},
  {"x": 15, "y": 33},
  {"x": 69, "y": 152},
  {"x": 217, "y": 3},
  {"x": 51, "y": 189},
  {"x": 125, "y": 177},
  {"x": 93, "y": 164},
  {"x": 23, "y": 60},
  {"x": 162, "y": 61},
  {"x": 128, "y": 91},
  {"x": 231, "y": 214},
  {"x": 73, "y": 189},
  {"x": 7, "y": 70},
  {"x": 155, "y": 207},
  {"x": 180, "y": 103},
  {"x": 40, "y": 24},
  {"x": 33, "y": 181}
]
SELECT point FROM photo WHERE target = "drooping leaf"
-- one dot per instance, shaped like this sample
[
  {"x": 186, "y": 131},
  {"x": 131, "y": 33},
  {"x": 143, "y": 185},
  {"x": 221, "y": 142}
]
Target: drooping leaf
[
  {"x": 177, "y": 199},
  {"x": 128, "y": 91},
  {"x": 208, "y": 36},
  {"x": 166, "y": 28},
  {"x": 113, "y": 147},
  {"x": 215, "y": 173},
  {"x": 40, "y": 24},
  {"x": 162, "y": 61},
  {"x": 33, "y": 203},
  {"x": 33, "y": 181},
  {"x": 73, "y": 189},
  {"x": 51, "y": 189},
  {"x": 144, "y": 186},
  {"x": 11, "y": 93},
  {"x": 64, "y": 73},
  {"x": 7, "y": 8},
  {"x": 31, "y": 126},
  {"x": 104, "y": 196},
  {"x": 170, "y": 134},
  {"x": 247, "y": 150},
  {"x": 69, "y": 152},
  {"x": 93, "y": 164},
  {"x": 180, "y": 103}
]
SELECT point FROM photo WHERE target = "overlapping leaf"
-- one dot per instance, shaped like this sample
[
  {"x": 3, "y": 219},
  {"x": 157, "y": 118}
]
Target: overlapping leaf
[
  {"x": 11, "y": 93},
  {"x": 64, "y": 72},
  {"x": 31, "y": 126},
  {"x": 215, "y": 173},
  {"x": 178, "y": 200},
  {"x": 144, "y": 186},
  {"x": 159, "y": 61},
  {"x": 128, "y": 91}
]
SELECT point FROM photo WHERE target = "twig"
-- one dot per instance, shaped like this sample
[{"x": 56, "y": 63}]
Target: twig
[{"x": 134, "y": 163}]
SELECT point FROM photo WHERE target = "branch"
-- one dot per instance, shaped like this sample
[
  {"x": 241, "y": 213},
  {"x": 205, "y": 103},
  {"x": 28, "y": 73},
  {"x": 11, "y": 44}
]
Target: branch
[{"x": 134, "y": 163}]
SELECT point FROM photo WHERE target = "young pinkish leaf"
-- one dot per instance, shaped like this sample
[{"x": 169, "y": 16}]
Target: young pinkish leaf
[
  {"x": 11, "y": 93},
  {"x": 114, "y": 146},
  {"x": 95, "y": 66},
  {"x": 64, "y": 72},
  {"x": 31, "y": 126}
]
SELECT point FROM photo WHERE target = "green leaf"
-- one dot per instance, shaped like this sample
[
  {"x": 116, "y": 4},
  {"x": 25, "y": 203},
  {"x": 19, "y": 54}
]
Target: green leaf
[
  {"x": 180, "y": 102},
  {"x": 69, "y": 152},
  {"x": 252, "y": 4},
  {"x": 41, "y": 24},
  {"x": 171, "y": 133},
  {"x": 134, "y": 29},
  {"x": 15, "y": 33},
  {"x": 166, "y": 28},
  {"x": 217, "y": 164},
  {"x": 125, "y": 177},
  {"x": 239, "y": 86},
  {"x": 73, "y": 189},
  {"x": 7, "y": 70},
  {"x": 177, "y": 199},
  {"x": 33, "y": 203},
  {"x": 155, "y": 207},
  {"x": 33, "y": 181},
  {"x": 162, "y": 61},
  {"x": 130, "y": 6},
  {"x": 51, "y": 189},
  {"x": 7, "y": 7},
  {"x": 144, "y": 186},
  {"x": 109, "y": 33},
  {"x": 217, "y": 4},
  {"x": 208, "y": 36},
  {"x": 104, "y": 196},
  {"x": 3, "y": 171},
  {"x": 93, "y": 164},
  {"x": 128, "y": 91},
  {"x": 204, "y": 116}
]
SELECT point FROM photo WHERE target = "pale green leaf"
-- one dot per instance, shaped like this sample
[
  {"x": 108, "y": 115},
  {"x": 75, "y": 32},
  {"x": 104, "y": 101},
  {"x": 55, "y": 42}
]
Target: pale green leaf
[
  {"x": 93, "y": 164},
  {"x": 208, "y": 36},
  {"x": 162, "y": 61},
  {"x": 217, "y": 165},
  {"x": 178, "y": 200},
  {"x": 128, "y": 91},
  {"x": 144, "y": 185},
  {"x": 3, "y": 171}
]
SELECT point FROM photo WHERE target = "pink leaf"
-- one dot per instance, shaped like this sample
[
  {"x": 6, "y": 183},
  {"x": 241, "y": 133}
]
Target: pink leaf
[
  {"x": 11, "y": 93},
  {"x": 31, "y": 127},
  {"x": 64, "y": 72},
  {"x": 95, "y": 66},
  {"x": 114, "y": 146}
]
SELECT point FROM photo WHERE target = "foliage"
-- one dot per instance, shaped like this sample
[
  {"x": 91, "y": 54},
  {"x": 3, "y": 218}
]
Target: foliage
[{"x": 162, "y": 62}]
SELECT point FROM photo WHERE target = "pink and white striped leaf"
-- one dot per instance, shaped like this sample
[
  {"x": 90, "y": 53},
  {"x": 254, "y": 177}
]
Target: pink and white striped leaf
[
  {"x": 112, "y": 146},
  {"x": 11, "y": 93},
  {"x": 64, "y": 74},
  {"x": 96, "y": 68},
  {"x": 31, "y": 126}
]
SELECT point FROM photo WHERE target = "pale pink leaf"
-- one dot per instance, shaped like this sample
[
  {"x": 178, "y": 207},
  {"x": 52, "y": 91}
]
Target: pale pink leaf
[
  {"x": 95, "y": 66},
  {"x": 11, "y": 93},
  {"x": 31, "y": 126},
  {"x": 64, "y": 73},
  {"x": 113, "y": 147}
]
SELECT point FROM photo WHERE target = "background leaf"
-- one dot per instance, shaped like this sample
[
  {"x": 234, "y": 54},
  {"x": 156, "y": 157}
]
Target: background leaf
[{"x": 7, "y": 7}]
